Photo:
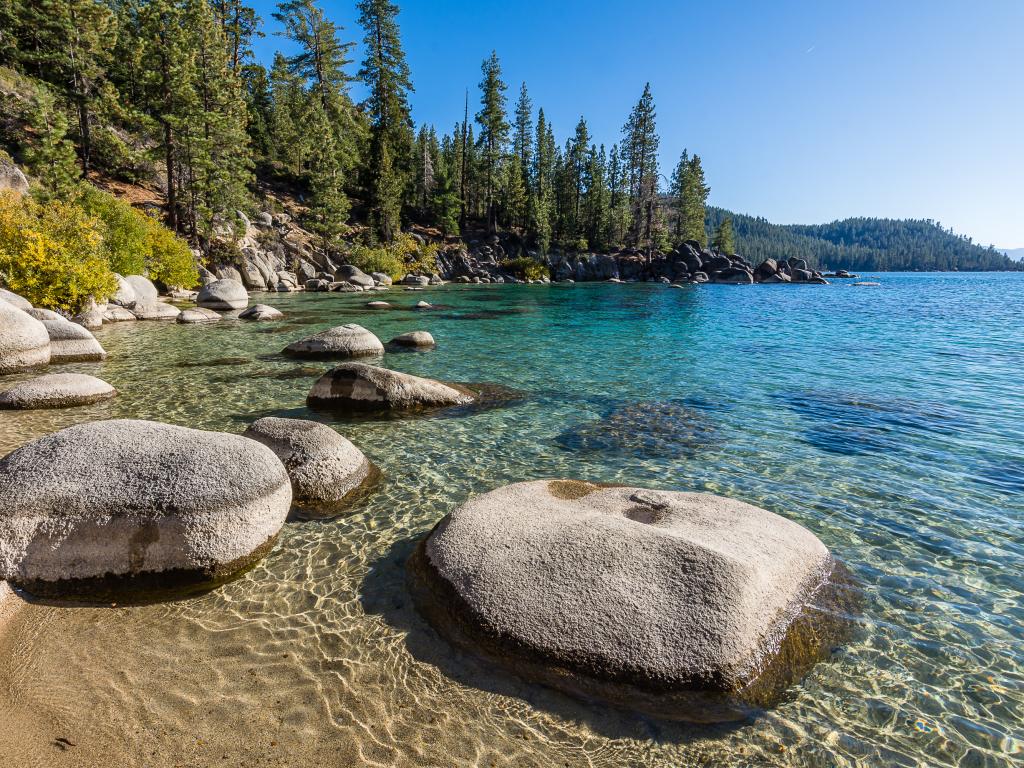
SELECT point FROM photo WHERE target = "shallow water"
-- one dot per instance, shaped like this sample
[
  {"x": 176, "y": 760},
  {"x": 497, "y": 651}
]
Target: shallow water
[{"x": 888, "y": 420}]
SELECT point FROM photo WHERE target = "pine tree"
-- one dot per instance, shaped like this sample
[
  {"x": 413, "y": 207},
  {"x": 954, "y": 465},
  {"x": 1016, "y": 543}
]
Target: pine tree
[
  {"x": 329, "y": 205},
  {"x": 541, "y": 213},
  {"x": 596, "y": 205},
  {"x": 522, "y": 148},
  {"x": 288, "y": 113},
  {"x": 51, "y": 156},
  {"x": 493, "y": 131},
  {"x": 694, "y": 202},
  {"x": 676, "y": 190},
  {"x": 259, "y": 107},
  {"x": 386, "y": 74},
  {"x": 67, "y": 46},
  {"x": 639, "y": 152},
  {"x": 723, "y": 241},
  {"x": 239, "y": 25},
  {"x": 618, "y": 200}
]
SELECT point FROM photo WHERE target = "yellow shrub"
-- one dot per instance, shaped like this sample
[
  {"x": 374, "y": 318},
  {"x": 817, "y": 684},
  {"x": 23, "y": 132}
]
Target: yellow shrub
[
  {"x": 52, "y": 254},
  {"x": 170, "y": 259}
]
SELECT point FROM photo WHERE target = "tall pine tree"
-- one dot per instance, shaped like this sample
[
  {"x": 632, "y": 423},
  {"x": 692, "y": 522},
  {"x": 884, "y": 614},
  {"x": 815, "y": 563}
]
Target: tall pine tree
[{"x": 494, "y": 129}]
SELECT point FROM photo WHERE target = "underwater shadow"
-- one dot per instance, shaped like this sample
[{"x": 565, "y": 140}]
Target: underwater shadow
[{"x": 384, "y": 593}]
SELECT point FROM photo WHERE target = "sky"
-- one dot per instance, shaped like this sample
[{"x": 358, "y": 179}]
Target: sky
[{"x": 802, "y": 112}]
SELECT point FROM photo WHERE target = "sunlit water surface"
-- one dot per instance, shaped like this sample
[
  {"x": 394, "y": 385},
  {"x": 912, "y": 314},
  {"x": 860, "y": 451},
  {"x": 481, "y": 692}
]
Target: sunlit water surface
[{"x": 888, "y": 420}]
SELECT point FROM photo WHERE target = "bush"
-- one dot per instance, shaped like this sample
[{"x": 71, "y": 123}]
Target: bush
[
  {"x": 52, "y": 254},
  {"x": 525, "y": 268},
  {"x": 402, "y": 257},
  {"x": 137, "y": 244},
  {"x": 125, "y": 231},
  {"x": 170, "y": 259}
]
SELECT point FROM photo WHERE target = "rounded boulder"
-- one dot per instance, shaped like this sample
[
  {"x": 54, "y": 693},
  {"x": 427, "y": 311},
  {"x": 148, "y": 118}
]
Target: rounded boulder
[
  {"x": 150, "y": 509},
  {"x": 69, "y": 342},
  {"x": 198, "y": 315},
  {"x": 261, "y": 312},
  {"x": 56, "y": 390},
  {"x": 24, "y": 342},
  {"x": 414, "y": 339},
  {"x": 348, "y": 340},
  {"x": 362, "y": 387},
  {"x": 224, "y": 295},
  {"x": 691, "y": 606},
  {"x": 324, "y": 467}
]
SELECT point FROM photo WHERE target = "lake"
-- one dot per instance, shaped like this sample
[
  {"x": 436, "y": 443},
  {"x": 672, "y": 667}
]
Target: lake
[{"x": 888, "y": 420}]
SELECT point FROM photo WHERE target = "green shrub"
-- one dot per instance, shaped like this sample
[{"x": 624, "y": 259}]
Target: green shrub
[
  {"x": 53, "y": 253},
  {"x": 525, "y": 268},
  {"x": 126, "y": 232},
  {"x": 402, "y": 257},
  {"x": 170, "y": 260}
]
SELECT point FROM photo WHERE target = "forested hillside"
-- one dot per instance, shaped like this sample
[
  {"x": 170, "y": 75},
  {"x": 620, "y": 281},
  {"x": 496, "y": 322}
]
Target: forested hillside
[{"x": 865, "y": 244}]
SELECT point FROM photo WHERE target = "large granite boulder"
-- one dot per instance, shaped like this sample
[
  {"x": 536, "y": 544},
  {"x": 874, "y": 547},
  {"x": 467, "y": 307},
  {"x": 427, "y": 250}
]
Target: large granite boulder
[
  {"x": 362, "y": 387},
  {"x": 124, "y": 296},
  {"x": 24, "y": 342},
  {"x": 14, "y": 299},
  {"x": 261, "y": 312},
  {"x": 145, "y": 291},
  {"x": 56, "y": 390},
  {"x": 348, "y": 340},
  {"x": 354, "y": 275},
  {"x": 324, "y": 467},
  {"x": 224, "y": 295},
  {"x": 688, "y": 605},
  {"x": 69, "y": 342},
  {"x": 12, "y": 178},
  {"x": 123, "y": 505}
]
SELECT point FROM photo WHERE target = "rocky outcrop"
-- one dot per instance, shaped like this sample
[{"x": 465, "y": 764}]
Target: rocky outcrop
[
  {"x": 69, "y": 342},
  {"x": 224, "y": 295},
  {"x": 362, "y": 387},
  {"x": 113, "y": 506},
  {"x": 56, "y": 390},
  {"x": 348, "y": 340},
  {"x": 324, "y": 467},
  {"x": 12, "y": 178},
  {"x": 24, "y": 341},
  {"x": 690, "y": 605},
  {"x": 261, "y": 312},
  {"x": 417, "y": 339}
]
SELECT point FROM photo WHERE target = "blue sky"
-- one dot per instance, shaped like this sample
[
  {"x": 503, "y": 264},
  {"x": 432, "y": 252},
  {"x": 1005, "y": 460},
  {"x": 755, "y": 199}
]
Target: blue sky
[{"x": 802, "y": 112}]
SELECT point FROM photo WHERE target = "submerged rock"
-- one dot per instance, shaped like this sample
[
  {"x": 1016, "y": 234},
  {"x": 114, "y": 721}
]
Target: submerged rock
[
  {"x": 113, "y": 506},
  {"x": 155, "y": 310},
  {"x": 24, "y": 341},
  {"x": 644, "y": 429},
  {"x": 56, "y": 390},
  {"x": 261, "y": 312},
  {"x": 362, "y": 387},
  {"x": 324, "y": 467},
  {"x": 686, "y": 605},
  {"x": 348, "y": 340},
  {"x": 378, "y": 305},
  {"x": 420, "y": 339},
  {"x": 224, "y": 295},
  {"x": 198, "y": 315}
]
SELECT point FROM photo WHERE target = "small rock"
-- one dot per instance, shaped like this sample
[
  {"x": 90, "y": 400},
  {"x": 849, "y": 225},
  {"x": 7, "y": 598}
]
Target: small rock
[
  {"x": 198, "y": 315},
  {"x": 261, "y": 312},
  {"x": 414, "y": 339}
]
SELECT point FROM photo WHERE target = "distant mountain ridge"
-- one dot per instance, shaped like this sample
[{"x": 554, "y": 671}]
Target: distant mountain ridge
[
  {"x": 864, "y": 244},
  {"x": 1017, "y": 254}
]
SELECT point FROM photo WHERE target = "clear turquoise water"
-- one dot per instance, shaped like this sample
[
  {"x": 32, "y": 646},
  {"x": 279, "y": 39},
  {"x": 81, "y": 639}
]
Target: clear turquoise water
[{"x": 888, "y": 420}]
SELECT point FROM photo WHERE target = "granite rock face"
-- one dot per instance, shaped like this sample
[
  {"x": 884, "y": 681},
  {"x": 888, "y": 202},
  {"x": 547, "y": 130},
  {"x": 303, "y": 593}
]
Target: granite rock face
[
  {"x": 324, "y": 467},
  {"x": 24, "y": 342},
  {"x": 56, "y": 390},
  {"x": 348, "y": 340},
  {"x": 362, "y": 387},
  {"x": 119, "y": 506},
  {"x": 691, "y": 604}
]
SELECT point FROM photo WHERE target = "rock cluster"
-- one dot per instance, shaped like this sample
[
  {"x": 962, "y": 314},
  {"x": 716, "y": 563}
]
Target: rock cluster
[{"x": 690, "y": 605}]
